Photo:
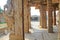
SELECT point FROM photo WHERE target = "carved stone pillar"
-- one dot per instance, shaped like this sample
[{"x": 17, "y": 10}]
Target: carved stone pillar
[
  {"x": 43, "y": 17},
  {"x": 54, "y": 16},
  {"x": 18, "y": 21},
  {"x": 50, "y": 16},
  {"x": 29, "y": 17},
  {"x": 26, "y": 17}
]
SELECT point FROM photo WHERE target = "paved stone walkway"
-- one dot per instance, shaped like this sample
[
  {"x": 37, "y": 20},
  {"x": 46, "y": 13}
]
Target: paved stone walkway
[
  {"x": 40, "y": 34},
  {"x": 36, "y": 34}
]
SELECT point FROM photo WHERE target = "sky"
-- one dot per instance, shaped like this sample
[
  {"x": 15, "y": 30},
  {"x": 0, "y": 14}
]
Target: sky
[
  {"x": 2, "y": 3},
  {"x": 34, "y": 11}
]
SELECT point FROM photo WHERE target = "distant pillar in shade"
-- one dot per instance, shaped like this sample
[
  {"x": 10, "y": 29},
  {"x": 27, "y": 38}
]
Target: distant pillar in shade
[{"x": 54, "y": 16}]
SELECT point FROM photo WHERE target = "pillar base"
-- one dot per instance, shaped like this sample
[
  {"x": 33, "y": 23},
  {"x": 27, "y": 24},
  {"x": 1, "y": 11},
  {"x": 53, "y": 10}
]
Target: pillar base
[
  {"x": 43, "y": 27},
  {"x": 50, "y": 30}
]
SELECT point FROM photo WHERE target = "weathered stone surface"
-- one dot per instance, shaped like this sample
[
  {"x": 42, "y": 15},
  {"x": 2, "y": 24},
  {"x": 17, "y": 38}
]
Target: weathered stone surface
[
  {"x": 54, "y": 15},
  {"x": 14, "y": 20},
  {"x": 26, "y": 19},
  {"x": 50, "y": 16},
  {"x": 43, "y": 19},
  {"x": 59, "y": 22}
]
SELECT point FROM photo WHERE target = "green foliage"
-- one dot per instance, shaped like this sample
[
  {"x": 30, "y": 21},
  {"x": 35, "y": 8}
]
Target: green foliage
[
  {"x": 2, "y": 22},
  {"x": 1, "y": 10}
]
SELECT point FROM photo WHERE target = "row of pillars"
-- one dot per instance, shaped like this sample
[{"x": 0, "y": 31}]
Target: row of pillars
[
  {"x": 21, "y": 16},
  {"x": 51, "y": 15},
  {"x": 43, "y": 16}
]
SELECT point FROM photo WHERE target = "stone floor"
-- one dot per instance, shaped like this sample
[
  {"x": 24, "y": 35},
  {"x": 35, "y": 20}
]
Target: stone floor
[
  {"x": 40, "y": 34},
  {"x": 4, "y": 37},
  {"x": 36, "y": 33},
  {"x": 3, "y": 33}
]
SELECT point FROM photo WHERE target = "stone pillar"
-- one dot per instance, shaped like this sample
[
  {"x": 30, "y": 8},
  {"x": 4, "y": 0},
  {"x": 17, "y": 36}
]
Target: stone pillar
[
  {"x": 26, "y": 19},
  {"x": 50, "y": 16},
  {"x": 18, "y": 20},
  {"x": 43, "y": 19},
  {"x": 9, "y": 19},
  {"x": 59, "y": 22},
  {"x": 29, "y": 17},
  {"x": 54, "y": 16}
]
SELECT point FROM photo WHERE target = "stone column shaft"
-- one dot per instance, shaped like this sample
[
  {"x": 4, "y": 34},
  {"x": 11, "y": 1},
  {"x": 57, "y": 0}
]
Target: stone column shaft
[
  {"x": 29, "y": 17},
  {"x": 50, "y": 16},
  {"x": 43, "y": 20},
  {"x": 26, "y": 19},
  {"x": 18, "y": 21},
  {"x": 54, "y": 16}
]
